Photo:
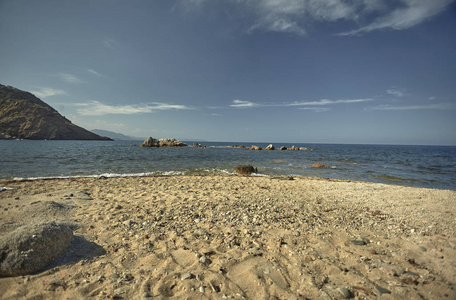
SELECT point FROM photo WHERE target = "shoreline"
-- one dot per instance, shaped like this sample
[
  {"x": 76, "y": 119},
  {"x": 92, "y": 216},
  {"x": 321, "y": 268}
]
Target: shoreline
[
  {"x": 180, "y": 174},
  {"x": 230, "y": 236}
]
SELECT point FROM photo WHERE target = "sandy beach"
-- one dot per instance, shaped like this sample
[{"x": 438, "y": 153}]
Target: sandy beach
[{"x": 237, "y": 237}]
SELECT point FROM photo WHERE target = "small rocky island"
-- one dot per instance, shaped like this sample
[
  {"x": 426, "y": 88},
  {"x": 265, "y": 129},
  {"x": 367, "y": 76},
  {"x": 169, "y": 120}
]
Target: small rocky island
[{"x": 154, "y": 143}]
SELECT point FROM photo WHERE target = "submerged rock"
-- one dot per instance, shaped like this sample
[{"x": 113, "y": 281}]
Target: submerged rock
[
  {"x": 31, "y": 248},
  {"x": 246, "y": 170},
  {"x": 319, "y": 165}
]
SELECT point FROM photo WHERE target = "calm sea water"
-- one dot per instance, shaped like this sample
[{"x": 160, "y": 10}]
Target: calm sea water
[{"x": 423, "y": 166}]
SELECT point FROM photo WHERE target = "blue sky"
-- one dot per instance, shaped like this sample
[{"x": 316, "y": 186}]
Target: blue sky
[{"x": 298, "y": 71}]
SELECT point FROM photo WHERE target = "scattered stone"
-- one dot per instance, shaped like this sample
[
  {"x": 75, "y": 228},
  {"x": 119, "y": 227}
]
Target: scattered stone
[
  {"x": 145, "y": 295},
  {"x": 346, "y": 294},
  {"x": 270, "y": 147},
  {"x": 31, "y": 248},
  {"x": 204, "y": 260},
  {"x": 201, "y": 289},
  {"x": 381, "y": 290},
  {"x": 358, "y": 242},
  {"x": 283, "y": 148},
  {"x": 186, "y": 276},
  {"x": 424, "y": 249}
]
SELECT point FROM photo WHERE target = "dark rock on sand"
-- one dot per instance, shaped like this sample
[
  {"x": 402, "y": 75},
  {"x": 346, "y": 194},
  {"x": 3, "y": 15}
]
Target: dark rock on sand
[
  {"x": 246, "y": 170},
  {"x": 31, "y": 248}
]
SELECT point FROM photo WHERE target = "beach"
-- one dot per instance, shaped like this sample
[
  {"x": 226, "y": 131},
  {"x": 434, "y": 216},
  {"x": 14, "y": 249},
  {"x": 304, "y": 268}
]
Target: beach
[{"x": 237, "y": 237}]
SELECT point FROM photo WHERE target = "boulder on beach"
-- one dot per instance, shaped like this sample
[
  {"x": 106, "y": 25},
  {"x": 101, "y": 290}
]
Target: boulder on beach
[
  {"x": 319, "y": 165},
  {"x": 246, "y": 169},
  {"x": 31, "y": 248},
  {"x": 151, "y": 142},
  {"x": 270, "y": 147}
]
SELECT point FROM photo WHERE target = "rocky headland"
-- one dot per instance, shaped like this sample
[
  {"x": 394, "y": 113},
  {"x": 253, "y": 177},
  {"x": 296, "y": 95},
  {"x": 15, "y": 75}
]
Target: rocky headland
[{"x": 24, "y": 116}]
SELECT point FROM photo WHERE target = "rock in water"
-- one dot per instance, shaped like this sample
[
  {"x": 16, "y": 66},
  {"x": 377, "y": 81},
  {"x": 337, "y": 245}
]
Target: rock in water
[
  {"x": 31, "y": 248},
  {"x": 150, "y": 142},
  {"x": 246, "y": 170},
  {"x": 319, "y": 165},
  {"x": 171, "y": 143},
  {"x": 270, "y": 147}
]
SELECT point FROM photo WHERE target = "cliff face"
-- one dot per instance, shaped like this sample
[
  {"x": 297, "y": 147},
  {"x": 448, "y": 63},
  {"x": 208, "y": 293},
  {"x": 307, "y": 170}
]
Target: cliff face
[{"x": 24, "y": 116}]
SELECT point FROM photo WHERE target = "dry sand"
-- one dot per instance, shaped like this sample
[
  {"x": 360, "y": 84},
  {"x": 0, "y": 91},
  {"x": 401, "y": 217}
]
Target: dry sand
[{"x": 235, "y": 237}]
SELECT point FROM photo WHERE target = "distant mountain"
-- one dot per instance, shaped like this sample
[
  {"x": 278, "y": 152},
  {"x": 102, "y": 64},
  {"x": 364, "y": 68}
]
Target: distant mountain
[
  {"x": 24, "y": 116},
  {"x": 116, "y": 136}
]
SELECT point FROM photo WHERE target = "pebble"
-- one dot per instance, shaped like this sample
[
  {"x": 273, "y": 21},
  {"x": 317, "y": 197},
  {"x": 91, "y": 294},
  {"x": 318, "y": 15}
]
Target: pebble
[
  {"x": 203, "y": 259},
  {"x": 186, "y": 276},
  {"x": 145, "y": 295},
  {"x": 358, "y": 242},
  {"x": 345, "y": 292},
  {"x": 381, "y": 291},
  {"x": 201, "y": 289}
]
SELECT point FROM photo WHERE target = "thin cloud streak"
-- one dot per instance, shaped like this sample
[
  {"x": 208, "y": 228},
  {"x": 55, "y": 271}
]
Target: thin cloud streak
[
  {"x": 69, "y": 78},
  {"x": 322, "y": 102},
  {"x": 95, "y": 108},
  {"x": 93, "y": 72},
  {"x": 45, "y": 92},
  {"x": 329, "y": 102},
  {"x": 243, "y": 104},
  {"x": 437, "y": 106}
]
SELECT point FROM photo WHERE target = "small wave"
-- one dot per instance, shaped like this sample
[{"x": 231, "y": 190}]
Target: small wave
[{"x": 397, "y": 179}]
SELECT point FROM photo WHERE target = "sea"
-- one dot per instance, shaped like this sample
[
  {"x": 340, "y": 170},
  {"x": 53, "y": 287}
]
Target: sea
[{"x": 418, "y": 166}]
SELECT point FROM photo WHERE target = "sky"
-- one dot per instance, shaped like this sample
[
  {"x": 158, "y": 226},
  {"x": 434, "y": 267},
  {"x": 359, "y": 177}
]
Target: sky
[{"x": 291, "y": 71}]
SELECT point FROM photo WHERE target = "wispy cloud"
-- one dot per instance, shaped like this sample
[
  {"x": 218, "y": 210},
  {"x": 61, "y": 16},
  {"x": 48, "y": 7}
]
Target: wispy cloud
[
  {"x": 408, "y": 14},
  {"x": 109, "y": 43},
  {"x": 95, "y": 108},
  {"x": 307, "y": 105},
  {"x": 296, "y": 16},
  {"x": 45, "y": 92},
  {"x": 437, "y": 106},
  {"x": 93, "y": 72},
  {"x": 397, "y": 92},
  {"x": 328, "y": 102},
  {"x": 242, "y": 104},
  {"x": 316, "y": 109},
  {"x": 69, "y": 78}
]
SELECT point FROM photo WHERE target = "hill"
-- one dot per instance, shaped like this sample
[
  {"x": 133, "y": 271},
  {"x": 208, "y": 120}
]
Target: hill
[
  {"x": 24, "y": 116},
  {"x": 116, "y": 136}
]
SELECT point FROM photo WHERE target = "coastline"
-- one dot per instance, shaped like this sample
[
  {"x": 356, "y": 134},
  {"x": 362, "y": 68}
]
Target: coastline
[{"x": 216, "y": 236}]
